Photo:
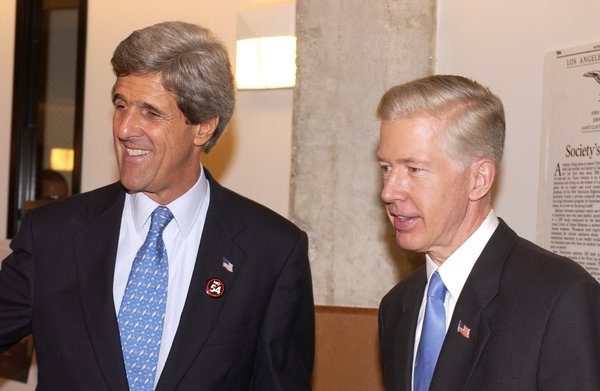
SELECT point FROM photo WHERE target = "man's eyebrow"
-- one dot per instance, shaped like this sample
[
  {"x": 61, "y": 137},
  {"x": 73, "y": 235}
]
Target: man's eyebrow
[
  {"x": 407, "y": 160},
  {"x": 150, "y": 106},
  {"x": 142, "y": 104},
  {"x": 115, "y": 96}
]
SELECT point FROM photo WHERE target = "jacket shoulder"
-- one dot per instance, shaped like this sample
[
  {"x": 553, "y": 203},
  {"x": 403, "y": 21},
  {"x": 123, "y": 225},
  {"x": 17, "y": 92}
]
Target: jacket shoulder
[
  {"x": 406, "y": 291},
  {"x": 539, "y": 264},
  {"x": 234, "y": 209},
  {"x": 88, "y": 204}
]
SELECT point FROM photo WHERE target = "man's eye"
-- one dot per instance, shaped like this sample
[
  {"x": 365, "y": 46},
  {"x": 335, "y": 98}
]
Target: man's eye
[
  {"x": 385, "y": 168},
  {"x": 415, "y": 169},
  {"x": 151, "y": 113}
]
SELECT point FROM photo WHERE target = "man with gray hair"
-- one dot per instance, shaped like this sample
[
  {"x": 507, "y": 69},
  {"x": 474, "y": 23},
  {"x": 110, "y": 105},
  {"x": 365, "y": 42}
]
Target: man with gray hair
[
  {"x": 488, "y": 310},
  {"x": 164, "y": 280}
]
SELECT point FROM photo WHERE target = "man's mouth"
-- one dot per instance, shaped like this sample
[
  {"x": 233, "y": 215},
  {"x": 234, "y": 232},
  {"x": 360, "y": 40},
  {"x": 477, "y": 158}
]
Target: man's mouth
[
  {"x": 137, "y": 152},
  {"x": 403, "y": 223}
]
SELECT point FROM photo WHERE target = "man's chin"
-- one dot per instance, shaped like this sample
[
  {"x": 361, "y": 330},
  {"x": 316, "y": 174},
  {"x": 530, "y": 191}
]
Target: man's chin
[
  {"x": 131, "y": 186},
  {"x": 408, "y": 242}
]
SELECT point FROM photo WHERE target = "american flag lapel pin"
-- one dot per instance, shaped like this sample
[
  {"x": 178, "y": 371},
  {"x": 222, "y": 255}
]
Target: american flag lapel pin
[
  {"x": 463, "y": 329},
  {"x": 227, "y": 265}
]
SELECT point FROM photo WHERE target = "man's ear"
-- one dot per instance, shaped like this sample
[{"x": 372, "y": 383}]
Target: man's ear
[
  {"x": 205, "y": 131},
  {"x": 483, "y": 173}
]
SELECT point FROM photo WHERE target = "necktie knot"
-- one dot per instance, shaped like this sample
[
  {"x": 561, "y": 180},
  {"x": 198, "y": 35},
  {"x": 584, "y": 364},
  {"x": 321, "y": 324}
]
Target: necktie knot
[
  {"x": 161, "y": 217},
  {"x": 437, "y": 289}
]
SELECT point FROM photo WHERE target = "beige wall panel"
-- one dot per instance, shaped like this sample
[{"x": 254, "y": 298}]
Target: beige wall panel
[{"x": 349, "y": 53}]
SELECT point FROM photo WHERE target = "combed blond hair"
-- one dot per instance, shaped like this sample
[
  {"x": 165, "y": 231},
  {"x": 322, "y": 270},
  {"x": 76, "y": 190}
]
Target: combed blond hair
[{"x": 472, "y": 114}]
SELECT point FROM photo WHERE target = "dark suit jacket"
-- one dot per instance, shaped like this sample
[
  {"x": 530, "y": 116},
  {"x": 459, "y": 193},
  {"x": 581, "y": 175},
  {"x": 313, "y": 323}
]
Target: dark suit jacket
[
  {"x": 58, "y": 285},
  {"x": 534, "y": 320}
]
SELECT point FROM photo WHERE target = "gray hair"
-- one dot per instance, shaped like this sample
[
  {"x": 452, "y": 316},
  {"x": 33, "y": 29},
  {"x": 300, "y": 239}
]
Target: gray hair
[
  {"x": 473, "y": 115},
  {"x": 194, "y": 66}
]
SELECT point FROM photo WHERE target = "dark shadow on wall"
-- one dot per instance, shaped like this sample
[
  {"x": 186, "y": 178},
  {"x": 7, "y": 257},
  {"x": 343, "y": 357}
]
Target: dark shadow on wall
[
  {"x": 16, "y": 361},
  {"x": 218, "y": 160}
]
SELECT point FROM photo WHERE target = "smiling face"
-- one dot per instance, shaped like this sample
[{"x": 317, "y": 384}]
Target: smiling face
[
  {"x": 157, "y": 152},
  {"x": 433, "y": 203}
]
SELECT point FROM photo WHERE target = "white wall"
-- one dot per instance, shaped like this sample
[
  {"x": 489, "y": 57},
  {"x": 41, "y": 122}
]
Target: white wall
[
  {"x": 254, "y": 155},
  {"x": 502, "y": 43}
]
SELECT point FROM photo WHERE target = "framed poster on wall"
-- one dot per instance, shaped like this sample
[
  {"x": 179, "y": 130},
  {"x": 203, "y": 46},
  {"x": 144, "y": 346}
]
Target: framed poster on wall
[{"x": 569, "y": 191}]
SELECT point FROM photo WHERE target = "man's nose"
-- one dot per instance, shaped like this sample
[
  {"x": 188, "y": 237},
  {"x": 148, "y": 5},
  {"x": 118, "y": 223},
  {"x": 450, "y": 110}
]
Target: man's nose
[
  {"x": 127, "y": 124},
  {"x": 395, "y": 188}
]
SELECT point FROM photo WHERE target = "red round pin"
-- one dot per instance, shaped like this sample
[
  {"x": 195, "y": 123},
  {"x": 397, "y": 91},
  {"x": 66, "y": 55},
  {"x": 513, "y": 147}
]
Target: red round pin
[{"x": 215, "y": 288}]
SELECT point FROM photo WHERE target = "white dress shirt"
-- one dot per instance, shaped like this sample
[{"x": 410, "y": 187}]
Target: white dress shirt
[
  {"x": 454, "y": 272},
  {"x": 182, "y": 240}
]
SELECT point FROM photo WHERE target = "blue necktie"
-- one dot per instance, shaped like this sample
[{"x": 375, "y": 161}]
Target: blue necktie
[
  {"x": 142, "y": 311},
  {"x": 432, "y": 335}
]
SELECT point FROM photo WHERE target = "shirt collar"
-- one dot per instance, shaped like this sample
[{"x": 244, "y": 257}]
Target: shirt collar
[
  {"x": 185, "y": 209},
  {"x": 456, "y": 268}
]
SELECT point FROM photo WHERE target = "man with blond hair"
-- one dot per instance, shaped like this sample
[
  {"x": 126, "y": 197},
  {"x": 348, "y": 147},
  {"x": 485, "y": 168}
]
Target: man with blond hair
[{"x": 488, "y": 310}]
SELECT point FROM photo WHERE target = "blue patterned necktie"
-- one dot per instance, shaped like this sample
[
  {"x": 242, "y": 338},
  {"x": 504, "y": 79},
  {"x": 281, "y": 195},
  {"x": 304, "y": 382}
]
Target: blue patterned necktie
[
  {"x": 142, "y": 310},
  {"x": 432, "y": 335}
]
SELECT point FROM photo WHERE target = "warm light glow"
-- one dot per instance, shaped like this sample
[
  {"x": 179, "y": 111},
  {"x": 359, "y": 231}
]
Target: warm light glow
[
  {"x": 61, "y": 159},
  {"x": 267, "y": 62}
]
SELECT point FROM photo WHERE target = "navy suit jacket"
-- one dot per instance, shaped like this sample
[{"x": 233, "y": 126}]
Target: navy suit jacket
[
  {"x": 58, "y": 285},
  {"x": 534, "y": 320}
]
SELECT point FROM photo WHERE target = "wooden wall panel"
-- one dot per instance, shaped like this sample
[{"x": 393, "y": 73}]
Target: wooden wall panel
[{"x": 347, "y": 354}]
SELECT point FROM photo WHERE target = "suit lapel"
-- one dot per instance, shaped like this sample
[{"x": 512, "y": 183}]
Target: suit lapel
[
  {"x": 400, "y": 367},
  {"x": 405, "y": 334},
  {"x": 95, "y": 249},
  {"x": 202, "y": 311},
  {"x": 459, "y": 354}
]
